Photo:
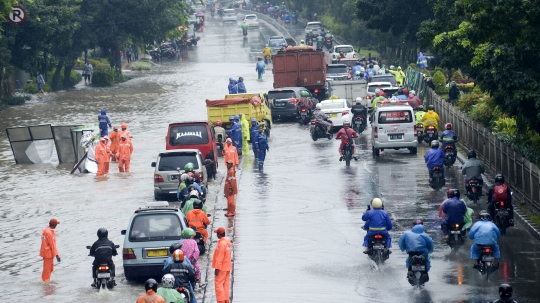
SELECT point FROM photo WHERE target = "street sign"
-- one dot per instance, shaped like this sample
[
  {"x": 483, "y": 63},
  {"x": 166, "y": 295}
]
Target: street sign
[{"x": 17, "y": 15}]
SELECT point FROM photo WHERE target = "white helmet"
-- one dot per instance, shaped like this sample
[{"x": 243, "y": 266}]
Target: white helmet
[
  {"x": 167, "y": 281},
  {"x": 358, "y": 73},
  {"x": 194, "y": 193},
  {"x": 346, "y": 123},
  {"x": 391, "y": 67},
  {"x": 376, "y": 203},
  {"x": 377, "y": 90},
  {"x": 358, "y": 100},
  {"x": 183, "y": 177},
  {"x": 413, "y": 92},
  {"x": 318, "y": 106},
  {"x": 301, "y": 41},
  {"x": 362, "y": 69}
]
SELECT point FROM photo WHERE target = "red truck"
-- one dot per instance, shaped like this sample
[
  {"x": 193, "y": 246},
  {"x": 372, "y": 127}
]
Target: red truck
[{"x": 301, "y": 66}]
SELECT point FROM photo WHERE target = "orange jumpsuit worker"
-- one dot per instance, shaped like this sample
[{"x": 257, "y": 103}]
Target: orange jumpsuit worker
[
  {"x": 151, "y": 296},
  {"x": 115, "y": 139},
  {"x": 48, "y": 250},
  {"x": 230, "y": 190},
  {"x": 102, "y": 156},
  {"x": 125, "y": 149},
  {"x": 230, "y": 152},
  {"x": 198, "y": 218},
  {"x": 221, "y": 262},
  {"x": 125, "y": 132},
  {"x": 108, "y": 160}
]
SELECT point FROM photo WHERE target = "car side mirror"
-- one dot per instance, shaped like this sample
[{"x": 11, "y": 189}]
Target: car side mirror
[
  {"x": 153, "y": 164},
  {"x": 123, "y": 232},
  {"x": 117, "y": 246}
]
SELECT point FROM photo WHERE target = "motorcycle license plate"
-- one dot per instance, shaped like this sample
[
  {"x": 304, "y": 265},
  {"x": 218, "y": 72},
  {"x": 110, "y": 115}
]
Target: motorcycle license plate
[
  {"x": 488, "y": 258},
  {"x": 418, "y": 267},
  {"x": 103, "y": 275},
  {"x": 303, "y": 114},
  {"x": 455, "y": 232},
  {"x": 396, "y": 137},
  {"x": 502, "y": 213},
  {"x": 378, "y": 246},
  {"x": 158, "y": 253}
]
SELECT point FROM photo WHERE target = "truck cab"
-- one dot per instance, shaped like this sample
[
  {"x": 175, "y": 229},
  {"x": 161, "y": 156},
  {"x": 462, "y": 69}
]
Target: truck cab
[{"x": 193, "y": 135}]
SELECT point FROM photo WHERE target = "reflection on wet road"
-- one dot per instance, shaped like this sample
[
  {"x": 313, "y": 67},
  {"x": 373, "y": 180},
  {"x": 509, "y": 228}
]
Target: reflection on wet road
[{"x": 298, "y": 230}]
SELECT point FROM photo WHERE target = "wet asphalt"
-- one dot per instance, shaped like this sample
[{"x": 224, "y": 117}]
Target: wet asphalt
[{"x": 297, "y": 235}]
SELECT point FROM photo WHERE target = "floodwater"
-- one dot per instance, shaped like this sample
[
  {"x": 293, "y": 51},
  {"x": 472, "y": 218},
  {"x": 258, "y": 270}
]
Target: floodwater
[{"x": 297, "y": 234}]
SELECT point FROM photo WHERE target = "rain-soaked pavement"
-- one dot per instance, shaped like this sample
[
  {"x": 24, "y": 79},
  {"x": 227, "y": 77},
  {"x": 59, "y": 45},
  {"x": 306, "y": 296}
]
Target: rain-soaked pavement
[{"x": 298, "y": 230}]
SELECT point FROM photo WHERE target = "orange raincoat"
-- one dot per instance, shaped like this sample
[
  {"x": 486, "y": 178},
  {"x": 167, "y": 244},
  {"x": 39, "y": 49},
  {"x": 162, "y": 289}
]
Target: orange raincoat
[
  {"x": 230, "y": 190},
  {"x": 115, "y": 139},
  {"x": 198, "y": 218},
  {"x": 103, "y": 157},
  {"x": 230, "y": 153},
  {"x": 125, "y": 149},
  {"x": 48, "y": 251},
  {"x": 151, "y": 297},
  {"x": 222, "y": 262}
]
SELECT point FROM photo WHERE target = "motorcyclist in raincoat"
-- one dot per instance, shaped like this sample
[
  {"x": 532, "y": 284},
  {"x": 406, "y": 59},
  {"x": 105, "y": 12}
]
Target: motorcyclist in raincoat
[
  {"x": 321, "y": 117},
  {"x": 419, "y": 113},
  {"x": 233, "y": 87},
  {"x": 431, "y": 118},
  {"x": 169, "y": 294},
  {"x": 434, "y": 157},
  {"x": 416, "y": 240},
  {"x": 103, "y": 250},
  {"x": 449, "y": 137},
  {"x": 254, "y": 132},
  {"x": 260, "y": 67},
  {"x": 184, "y": 275},
  {"x": 346, "y": 134},
  {"x": 377, "y": 222},
  {"x": 413, "y": 100},
  {"x": 245, "y": 133},
  {"x": 455, "y": 210},
  {"x": 357, "y": 68},
  {"x": 261, "y": 143},
  {"x": 267, "y": 52},
  {"x": 104, "y": 123},
  {"x": 241, "y": 86},
  {"x": 484, "y": 232},
  {"x": 473, "y": 168},
  {"x": 244, "y": 27},
  {"x": 191, "y": 250},
  {"x": 193, "y": 195}
]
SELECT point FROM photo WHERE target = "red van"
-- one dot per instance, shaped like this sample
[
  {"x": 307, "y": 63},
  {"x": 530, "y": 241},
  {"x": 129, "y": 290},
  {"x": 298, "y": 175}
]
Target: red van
[{"x": 193, "y": 135}]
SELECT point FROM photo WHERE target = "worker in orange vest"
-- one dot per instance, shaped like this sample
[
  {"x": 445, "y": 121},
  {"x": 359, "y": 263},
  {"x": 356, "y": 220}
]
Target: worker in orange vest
[
  {"x": 222, "y": 265},
  {"x": 48, "y": 250},
  {"x": 230, "y": 152},
  {"x": 102, "y": 156},
  {"x": 231, "y": 189},
  {"x": 114, "y": 137},
  {"x": 198, "y": 218},
  {"x": 125, "y": 149}
]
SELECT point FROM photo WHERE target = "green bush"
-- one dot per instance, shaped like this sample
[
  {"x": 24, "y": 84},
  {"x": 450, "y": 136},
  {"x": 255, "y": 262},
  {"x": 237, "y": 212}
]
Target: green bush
[
  {"x": 457, "y": 76},
  {"x": 32, "y": 88},
  {"x": 466, "y": 103},
  {"x": 107, "y": 77},
  {"x": 485, "y": 112},
  {"x": 141, "y": 65},
  {"x": 17, "y": 99},
  {"x": 505, "y": 126},
  {"x": 440, "y": 83}
]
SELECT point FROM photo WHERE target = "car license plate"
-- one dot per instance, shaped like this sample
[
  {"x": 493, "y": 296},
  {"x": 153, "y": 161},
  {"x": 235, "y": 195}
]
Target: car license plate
[
  {"x": 454, "y": 232},
  {"x": 418, "y": 267},
  {"x": 396, "y": 137},
  {"x": 334, "y": 115},
  {"x": 104, "y": 275},
  {"x": 174, "y": 177},
  {"x": 502, "y": 213},
  {"x": 158, "y": 253},
  {"x": 488, "y": 258},
  {"x": 378, "y": 246},
  {"x": 280, "y": 104}
]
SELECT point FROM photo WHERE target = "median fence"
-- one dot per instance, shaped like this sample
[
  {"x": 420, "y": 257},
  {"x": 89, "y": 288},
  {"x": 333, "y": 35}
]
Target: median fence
[{"x": 522, "y": 175}]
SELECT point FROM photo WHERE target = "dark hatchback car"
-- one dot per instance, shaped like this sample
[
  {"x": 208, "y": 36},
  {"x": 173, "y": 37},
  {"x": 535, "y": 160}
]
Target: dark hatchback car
[{"x": 283, "y": 101}]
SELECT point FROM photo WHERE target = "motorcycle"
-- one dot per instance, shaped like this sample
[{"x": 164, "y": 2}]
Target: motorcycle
[
  {"x": 304, "y": 116},
  {"x": 502, "y": 216},
  {"x": 200, "y": 242},
  {"x": 309, "y": 41},
  {"x": 486, "y": 261},
  {"x": 319, "y": 45},
  {"x": 377, "y": 250},
  {"x": 317, "y": 130},
  {"x": 267, "y": 60},
  {"x": 474, "y": 190},
  {"x": 155, "y": 54},
  {"x": 103, "y": 274},
  {"x": 276, "y": 15},
  {"x": 420, "y": 132},
  {"x": 436, "y": 181},
  {"x": 450, "y": 158},
  {"x": 184, "y": 292},
  {"x": 430, "y": 134},
  {"x": 348, "y": 153},
  {"x": 328, "y": 44},
  {"x": 244, "y": 32},
  {"x": 456, "y": 236},
  {"x": 417, "y": 274},
  {"x": 358, "y": 124},
  {"x": 294, "y": 19}
]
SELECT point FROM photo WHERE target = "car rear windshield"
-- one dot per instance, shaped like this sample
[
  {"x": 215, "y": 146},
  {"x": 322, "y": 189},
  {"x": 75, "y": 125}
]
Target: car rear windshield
[
  {"x": 336, "y": 70},
  {"x": 392, "y": 117},
  {"x": 372, "y": 88},
  {"x": 284, "y": 94},
  {"x": 188, "y": 134},
  {"x": 171, "y": 161},
  {"x": 345, "y": 49},
  {"x": 229, "y": 11},
  {"x": 388, "y": 78},
  {"x": 349, "y": 62},
  {"x": 276, "y": 42},
  {"x": 155, "y": 227},
  {"x": 315, "y": 25},
  {"x": 333, "y": 105},
  {"x": 251, "y": 17}
]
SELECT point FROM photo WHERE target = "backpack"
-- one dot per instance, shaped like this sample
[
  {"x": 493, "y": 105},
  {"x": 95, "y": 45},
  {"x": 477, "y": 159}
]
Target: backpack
[{"x": 500, "y": 192}]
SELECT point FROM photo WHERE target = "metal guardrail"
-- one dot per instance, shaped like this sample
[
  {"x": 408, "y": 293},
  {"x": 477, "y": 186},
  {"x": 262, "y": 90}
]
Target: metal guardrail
[{"x": 522, "y": 175}]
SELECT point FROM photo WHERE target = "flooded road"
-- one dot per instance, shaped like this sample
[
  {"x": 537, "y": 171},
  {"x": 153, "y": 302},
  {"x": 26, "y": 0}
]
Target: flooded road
[{"x": 298, "y": 230}]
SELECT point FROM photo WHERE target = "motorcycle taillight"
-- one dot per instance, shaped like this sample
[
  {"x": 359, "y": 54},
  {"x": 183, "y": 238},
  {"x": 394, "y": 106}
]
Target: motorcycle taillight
[{"x": 313, "y": 122}]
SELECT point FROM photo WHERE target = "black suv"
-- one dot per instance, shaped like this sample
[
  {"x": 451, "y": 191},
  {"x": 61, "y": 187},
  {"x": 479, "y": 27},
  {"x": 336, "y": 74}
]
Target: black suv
[{"x": 283, "y": 101}]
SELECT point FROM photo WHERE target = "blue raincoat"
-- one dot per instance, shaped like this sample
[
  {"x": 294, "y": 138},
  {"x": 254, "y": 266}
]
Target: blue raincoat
[
  {"x": 416, "y": 240},
  {"x": 356, "y": 68},
  {"x": 261, "y": 143},
  {"x": 422, "y": 60},
  {"x": 254, "y": 132},
  {"x": 104, "y": 123},
  {"x": 448, "y": 137},
  {"x": 235, "y": 133},
  {"x": 377, "y": 221},
  {"x": 187, "y": 262},
  {"x": 371, "y": 71},
  {"x": 241, "y": 87},
  {"x": 434, "y": 157},
  {"x": 260, "y": 67},
  {"x": 455, "y": 210},
  {"x": 233, "y": 87},
  {"x": 484, "y": 233},
  {"x": 185, "y": 190},
  {"x": 402, "y": 97}
]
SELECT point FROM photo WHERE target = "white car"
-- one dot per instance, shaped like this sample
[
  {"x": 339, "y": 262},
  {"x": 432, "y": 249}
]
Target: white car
[
  {"x": 393, "y": 127},
  {"x": 229, "y": 15},
  {"x": 335, "y": 109},
  {"x": 348, "y": 50},
  {"x": 313, "y": 28},
  {"x": 372, "y": 86},
  {"x": 252, "y": 20}
]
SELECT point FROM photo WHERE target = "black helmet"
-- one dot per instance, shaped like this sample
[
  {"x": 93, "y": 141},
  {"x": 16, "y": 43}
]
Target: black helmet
[
  {"x": 175, "y": 246},
  {"x": 400, "y": 91},
  {"x": 102, "y": 233},
  {"x": 197, "y": 204},
  {"x": 431, "y": 107},
  {"x": 417, "y": 222},
  {"x": 505, "y": 291},
  {"x": 420, "y": 107},
  {"x": 453, "y": 193},
  {"x": 150, "y": 284},
  {"x": 499, "y": 178},
  {"x": 471, "y": 154},
  {"x": 189, "y": 181},
  {"x": 484, "y": 215}
]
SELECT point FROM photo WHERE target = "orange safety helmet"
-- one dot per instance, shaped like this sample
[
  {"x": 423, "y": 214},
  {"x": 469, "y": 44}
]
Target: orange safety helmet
[
  {"x": 219, "y": 123},
  {"x": 124, "y": 125},
  {"x": 448, "y": 126},
  {"x": 178, "y": 255}
]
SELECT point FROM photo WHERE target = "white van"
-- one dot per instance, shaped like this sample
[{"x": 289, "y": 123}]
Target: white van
[{"x": 393, "y": 126}]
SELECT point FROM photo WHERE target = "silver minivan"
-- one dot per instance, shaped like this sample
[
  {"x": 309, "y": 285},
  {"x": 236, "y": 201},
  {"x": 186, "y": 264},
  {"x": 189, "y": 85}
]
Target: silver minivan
[
  {"x": 393, "y": 127},
  {"x": 168, "y": 168}
]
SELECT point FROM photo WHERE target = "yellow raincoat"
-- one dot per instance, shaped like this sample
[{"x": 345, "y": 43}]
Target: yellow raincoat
[
  {"x": 245, "y": 134},
  {"x": 431, "y": 118}
]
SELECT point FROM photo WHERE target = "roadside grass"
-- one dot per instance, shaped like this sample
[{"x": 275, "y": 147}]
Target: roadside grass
[
  {"x": 365, "y": 53},
  {"x": 141, "y": 65}
]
